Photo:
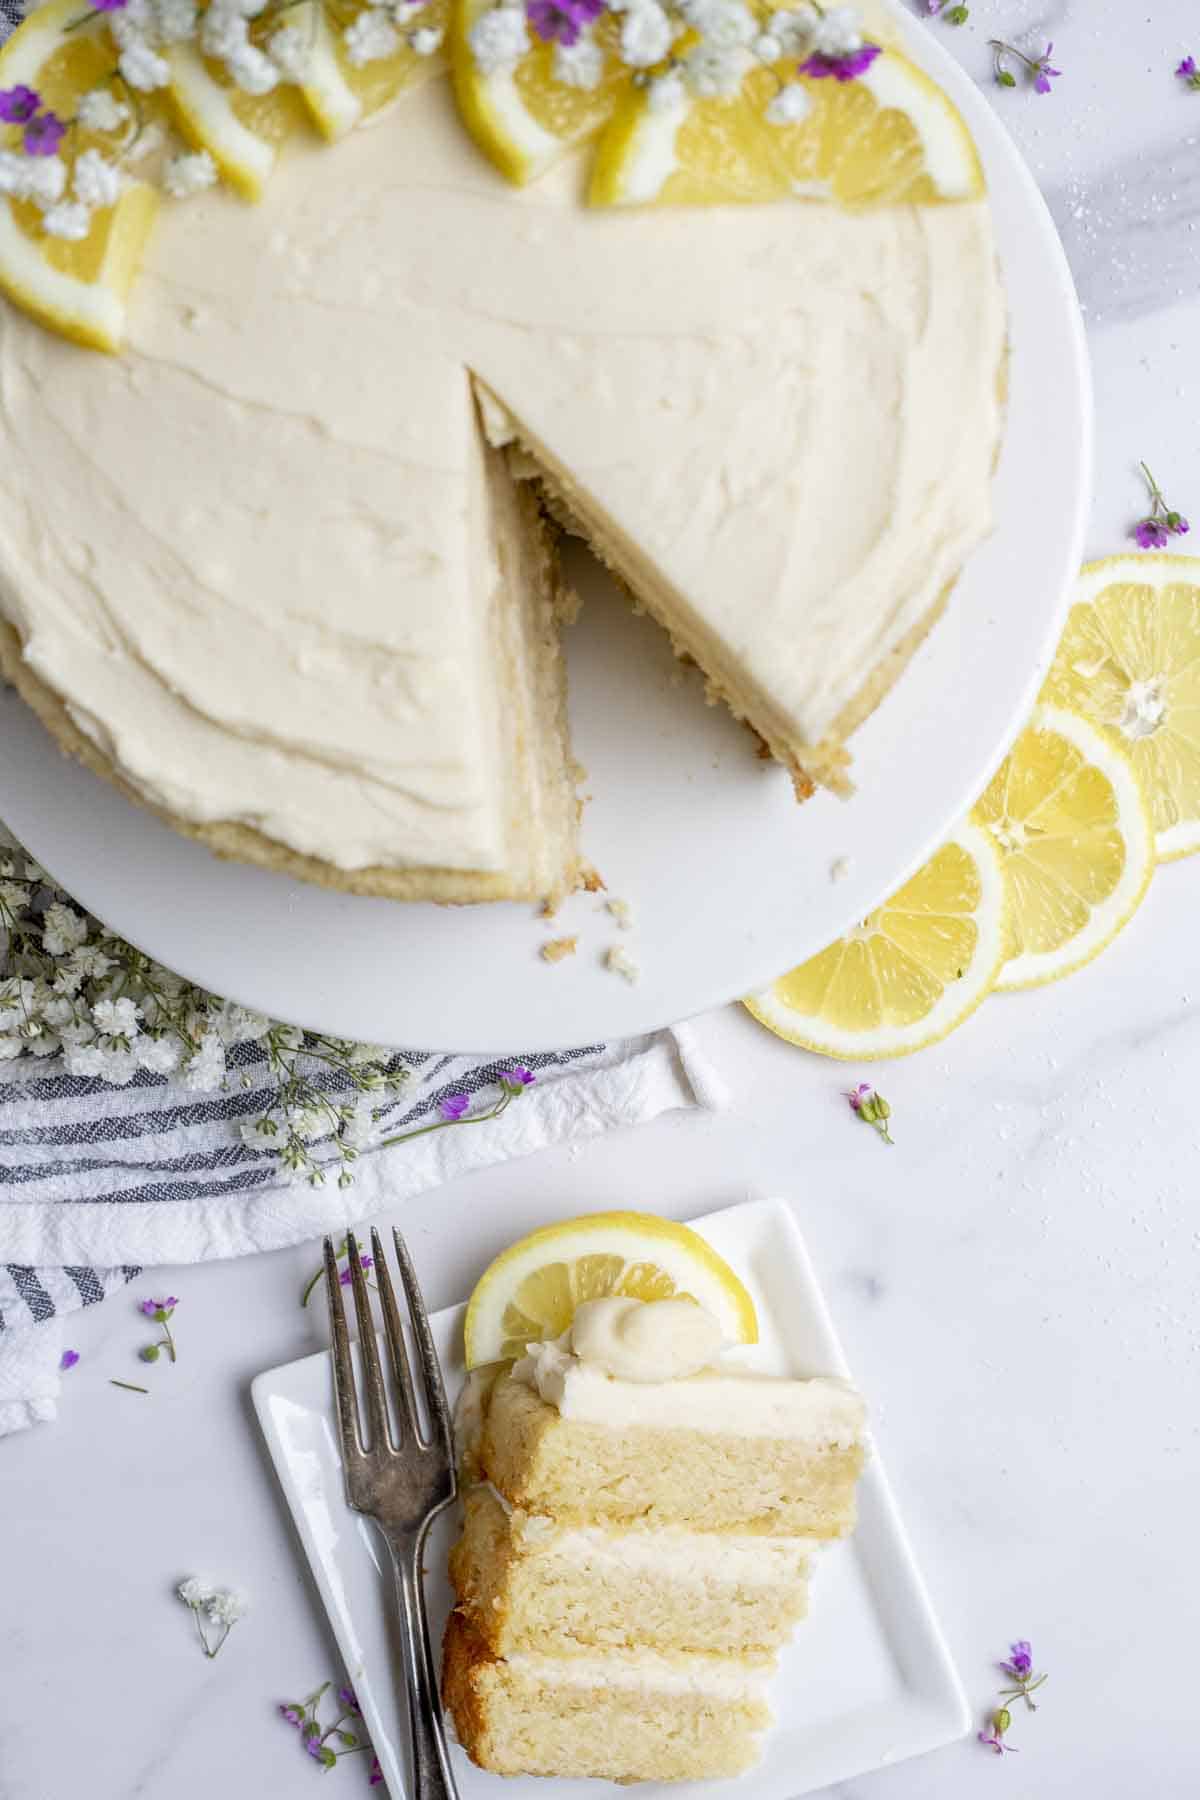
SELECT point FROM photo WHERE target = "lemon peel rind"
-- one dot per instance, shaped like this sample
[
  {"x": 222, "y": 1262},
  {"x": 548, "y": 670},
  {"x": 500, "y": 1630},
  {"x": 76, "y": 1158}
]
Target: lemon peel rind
[
  {"x": 679, "y": 1250},
  {"x": 959, "y": 999},
  {"x": 1097, "y": 746}
]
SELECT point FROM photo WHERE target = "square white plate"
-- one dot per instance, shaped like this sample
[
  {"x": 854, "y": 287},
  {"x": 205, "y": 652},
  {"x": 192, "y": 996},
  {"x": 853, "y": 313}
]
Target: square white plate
[{"x": 868, "y": 1679}]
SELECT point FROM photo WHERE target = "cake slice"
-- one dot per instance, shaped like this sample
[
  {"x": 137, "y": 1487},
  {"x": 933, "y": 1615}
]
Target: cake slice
[
  {"x": 714, "y": 1452},
  {"x": 531, "y": 1584},
  {"x": 624, "y": 1715}
]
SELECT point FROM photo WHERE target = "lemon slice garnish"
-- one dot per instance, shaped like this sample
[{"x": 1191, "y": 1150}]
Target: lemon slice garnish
[
  {"x": 1129, "y": 660},
  {"x": 522, "y": 116},
  {"x": 1067, "y": 813},
  {"x": 75, "y": 287},
  {"x": 529, "y": 1294},
  {"x": 911, "y": 972},
  {"x": 340, "y": 91},
  {"x": 242, "y": 132},
  {"x": 891, "y": 137}
]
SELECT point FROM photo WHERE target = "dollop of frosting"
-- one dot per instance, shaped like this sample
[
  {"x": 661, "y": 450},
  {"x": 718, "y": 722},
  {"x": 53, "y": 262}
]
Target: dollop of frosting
[{"x": 646, "y": 1340}]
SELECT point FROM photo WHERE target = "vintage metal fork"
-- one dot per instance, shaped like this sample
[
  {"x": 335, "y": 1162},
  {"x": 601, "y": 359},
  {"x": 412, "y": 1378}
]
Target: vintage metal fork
[{"x": 401, "y": 1486}]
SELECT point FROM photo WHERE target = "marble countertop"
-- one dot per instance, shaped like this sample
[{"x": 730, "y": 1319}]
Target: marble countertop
[{"x": 1015, "y": 1283}]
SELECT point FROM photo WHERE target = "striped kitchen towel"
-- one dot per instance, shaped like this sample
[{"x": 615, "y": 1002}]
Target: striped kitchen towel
[{"x": 11, "y": 13}]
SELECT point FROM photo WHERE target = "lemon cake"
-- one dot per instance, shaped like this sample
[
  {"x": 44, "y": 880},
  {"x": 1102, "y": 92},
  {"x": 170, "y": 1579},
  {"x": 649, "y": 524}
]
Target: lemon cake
[
  {"x": 638, "y": 1529},
  {"x": 279, "y": 566}
]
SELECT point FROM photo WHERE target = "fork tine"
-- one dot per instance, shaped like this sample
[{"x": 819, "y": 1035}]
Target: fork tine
[
  {"x": 395, "y": 1337},
  {"x": 343, "y": 1368},
  {"x": 435, "y": 1392},
  {"x": 368, "y": 1350}
]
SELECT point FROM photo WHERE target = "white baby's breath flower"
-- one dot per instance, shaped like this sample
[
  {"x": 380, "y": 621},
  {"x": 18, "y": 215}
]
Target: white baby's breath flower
[
  {"x": 143, "y": 68},
  {"x": 158, "y": 1055},
  {"x": 499, "y": 38},
  {"x": 117, "y": 1018},
  {"x": 197, "y": 1590},
  {"x": 837, "y": 32},
  {"x": 11, "y": 1048},
  {"x": 253, "y": 71},
  {"x": 239, "y": 1025},
  {"x": 101, "y": 111},
  {"x": 226, "y": 1606},
  {"x": 223, "y": 33},
  {"x": 189, "y": 174},
  {"x": 793, "y": 30},
  {"x": 789, "y": 106},
  {"x": 427, "y": 41},
  {"x": 362, "y": 1127},
  {"x": 666, "y": 92},
  {"x": 83, "y": 1060},
  {"x": 263, "y": 1134},
  {"x": 579, "y": 65},
  {"x": 713, "y": 71},
  {"x": 721, "y": 23},
  {"x": 97, "y": 182},
  {"x": 767, "y": 48},
  {"x": 291, "y": 52},
  {"x": 118, "y": 1066},
  {"x": 646, "y": 34},
  {"x": 206, "y": 1069},
  {"x": 63, "y": 929},
  {"x": 370, "y": 38},
  {"x": 176, "y": 20},
  {"x": 14, "y": 895}
]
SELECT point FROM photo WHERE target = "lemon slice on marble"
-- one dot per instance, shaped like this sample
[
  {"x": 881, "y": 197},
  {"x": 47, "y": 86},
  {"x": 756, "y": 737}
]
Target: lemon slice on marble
[
  {"x": 1129, "y": 660},
  {"x": 911, "y": 972},
  {"x": 890, "y": 137},
  {"x": 520, "y": 114},
  {"x": 75, "y": 287},
  {"x": 338, "y": 87},
  {"x": 1067, "y": 814},
  {"x": 530, "y": 1293},
  {"x": 242, "y": 132}
]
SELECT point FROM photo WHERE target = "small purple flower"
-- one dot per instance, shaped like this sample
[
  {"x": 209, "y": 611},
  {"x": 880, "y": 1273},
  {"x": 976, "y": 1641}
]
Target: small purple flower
[
  {"x": 857, "y": 1095},
  {"x": 313, "y": 1744},
  {"x": 1151, "y": 534},
  {"x": 69, "y": 1359},
  {"x": 994, "y": 1738},
  {"x": 367, "y": 1262},
  {"x": 18, "y": 104},
  {"x": 842, "y": 68},
  {"x": 293, "y": 1714},
  {"x": 152, "y": 1308},
  {"x": 44, "y": 134},
  {"x": 1043, "y": 74},
  {"x": 871, "y": 1108},
  {"x": 1162, "y": 522},
  {"x": 109, "y": 5},
  {"x": 454, "y": 1106},
  {"x": 346, "y": 1695},
  {"x": 518, "y": 1076},
  {"x": 1189, "y": 71},
  {"x": 561, "y": 21},
  {"x": 376, "y": 1773},
  {"x": 1020, "y": 1660}
]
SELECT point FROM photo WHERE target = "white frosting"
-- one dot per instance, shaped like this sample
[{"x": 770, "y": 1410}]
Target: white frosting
[
  {"x": 688, "y": 1556},
  {"x": 252, "y": 553},
  {"x": 648, "y": 1672},
  {"x": 637, "y": 1340}
]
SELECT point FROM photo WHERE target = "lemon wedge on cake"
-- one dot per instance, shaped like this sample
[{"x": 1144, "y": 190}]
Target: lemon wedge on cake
[
  {"x": 891, "y": 137},
  {"x": 243, "y": 133},
  {"x": 1069, "y": 818},
  {"x": 74, "y": 285},
  {"x": 911, "y": 971},
  {"x": 529, "y": 1294},
  {"x": 345, "y": 78},
  {"x": 1129, "y": 660}
]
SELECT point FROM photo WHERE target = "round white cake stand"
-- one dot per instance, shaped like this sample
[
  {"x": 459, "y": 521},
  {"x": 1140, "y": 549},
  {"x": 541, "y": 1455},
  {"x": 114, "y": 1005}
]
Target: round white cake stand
[{"x": 729, "y": 881}]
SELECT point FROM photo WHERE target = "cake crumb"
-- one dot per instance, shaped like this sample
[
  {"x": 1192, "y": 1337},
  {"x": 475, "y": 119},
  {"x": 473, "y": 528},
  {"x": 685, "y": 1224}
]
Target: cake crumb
[
  {"x": 549, "y": 909},
  {"x": 622, "y": 912},
  {"x": 618, "y": 959},
  {"x": 839, "y": 868},
  {"x": 557, "y": 948},
  {"x": 591, "y": 880}
]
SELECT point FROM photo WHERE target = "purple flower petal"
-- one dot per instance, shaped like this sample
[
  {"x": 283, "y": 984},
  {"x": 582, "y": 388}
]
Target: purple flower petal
[
  {"x": 44, "y": 134},
  {"x": 18, "y": 104},
  {"x": 1187, "y": 70},
  {"x": 293, "y": 1714},
  {"x": 561, "y": 21},
  {"x": 1150, "y": 534},
  {"x": 69, "y": 1359},
  {"x": 109, "y": 5},
  {"x": 1181, "y": 526},
  {"x": 376, "y": 1773},
  {"x": 455, "y": 1105},
  {"x": 347, "y": 1697},
  {"x": 841, "y": 68},
  {"x": 518, "y": 1076}
]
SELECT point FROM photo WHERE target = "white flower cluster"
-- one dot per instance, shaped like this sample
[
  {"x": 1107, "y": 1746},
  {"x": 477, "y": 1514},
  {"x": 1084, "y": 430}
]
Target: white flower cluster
[
  {"x": 69, "y": 988},
  {"x": 219, "y": 1606},
  {"x": 188, "y": 174},
  {"x": 579, "y": 65},
  {"x": 225, "y": 36},
  {"x": 66, "y": 199},
  {"x": 500, "y": 37},
  {"x": 379, "y": 31}
]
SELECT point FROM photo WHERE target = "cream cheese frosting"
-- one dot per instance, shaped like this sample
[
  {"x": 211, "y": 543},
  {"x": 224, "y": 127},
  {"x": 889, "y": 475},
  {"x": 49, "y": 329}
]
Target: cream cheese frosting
[{"x": 251, "y": 554}]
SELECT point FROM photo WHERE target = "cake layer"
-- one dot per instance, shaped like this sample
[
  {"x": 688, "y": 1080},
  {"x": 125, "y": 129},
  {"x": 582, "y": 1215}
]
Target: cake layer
[
  {"x": 528, "y": 1583},
  {"x": 621, "y": 1716},
  {"x": 579, "y": 1471}
]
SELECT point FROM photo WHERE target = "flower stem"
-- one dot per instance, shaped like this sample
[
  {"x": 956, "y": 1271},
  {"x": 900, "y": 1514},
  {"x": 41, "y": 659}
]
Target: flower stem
[{"x": 130, "y": 1386}]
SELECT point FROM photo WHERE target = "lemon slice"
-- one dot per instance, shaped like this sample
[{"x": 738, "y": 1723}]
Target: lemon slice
[
  {"x": 77, "y": 288},
  {"x": 339, "y": 93},
  {"x": 891, "y": 137},
  {"x": 1129, "y": 660},
  {"x": 911, "y": 972},
  {"x": 1067, "y": 813},
  {"x": 523, "y": 118},
  {"x": 242, "y": 132},
  {"x": 530, "y": 1293}
]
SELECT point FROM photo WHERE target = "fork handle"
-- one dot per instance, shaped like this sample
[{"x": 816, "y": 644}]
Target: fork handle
[{"x": 433, "y": 1778}]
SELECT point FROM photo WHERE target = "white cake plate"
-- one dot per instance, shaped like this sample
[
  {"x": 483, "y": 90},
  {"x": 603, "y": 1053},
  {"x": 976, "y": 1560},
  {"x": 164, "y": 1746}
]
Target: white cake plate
[{"x": 730, "y": 882}]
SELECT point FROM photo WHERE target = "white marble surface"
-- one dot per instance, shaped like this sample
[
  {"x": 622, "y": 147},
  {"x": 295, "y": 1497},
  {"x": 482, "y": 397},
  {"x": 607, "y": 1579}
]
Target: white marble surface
[{"x": 1015, "y": 1283}]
